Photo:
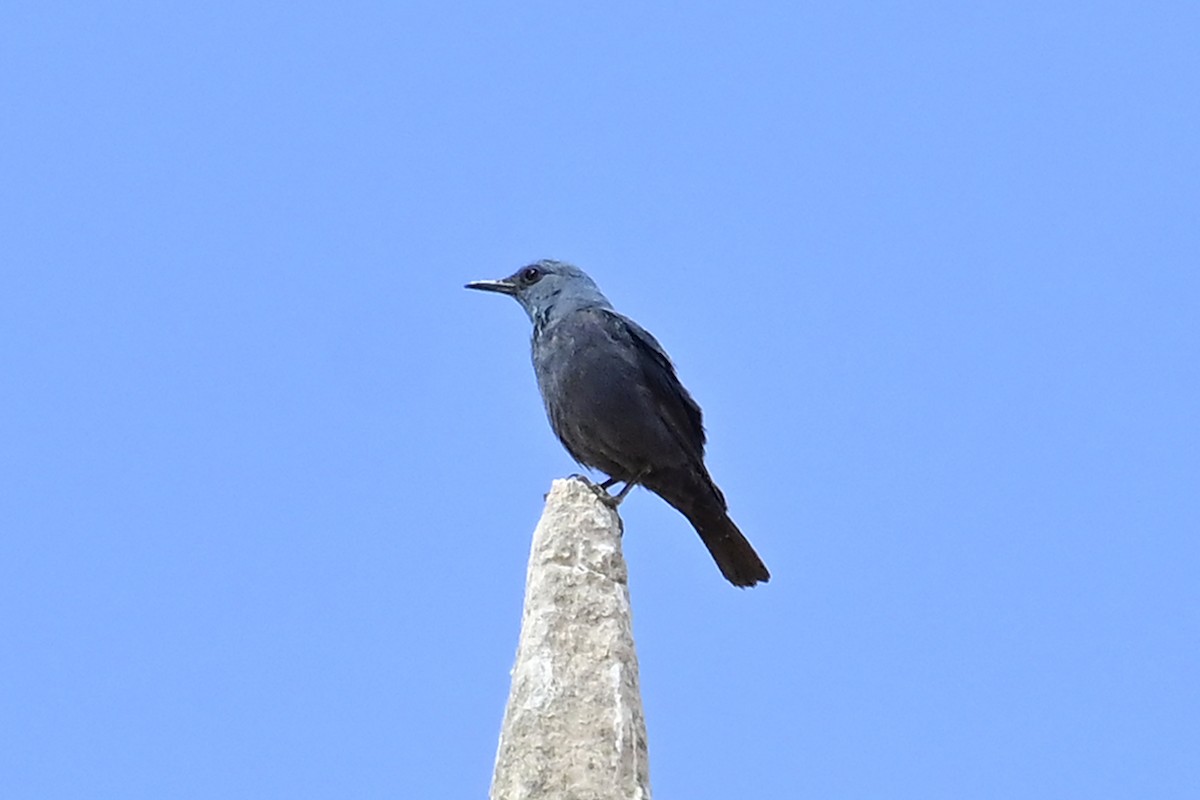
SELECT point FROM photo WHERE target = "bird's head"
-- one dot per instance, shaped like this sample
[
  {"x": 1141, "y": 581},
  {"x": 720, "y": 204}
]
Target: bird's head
[{"x": 547, "y": 289}]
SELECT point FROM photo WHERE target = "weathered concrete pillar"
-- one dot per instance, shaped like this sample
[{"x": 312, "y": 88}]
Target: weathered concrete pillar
[{"x": 574, "y": 729}]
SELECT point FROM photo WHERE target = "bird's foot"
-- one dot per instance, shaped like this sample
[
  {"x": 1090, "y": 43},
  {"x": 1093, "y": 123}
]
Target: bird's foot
[
  {"x": 598, "y": 490},
  {"x": 612, "y": 501}
]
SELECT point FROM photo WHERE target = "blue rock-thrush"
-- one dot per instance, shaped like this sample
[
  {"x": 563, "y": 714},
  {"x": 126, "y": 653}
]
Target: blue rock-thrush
[{"x": 615, "y": 403}]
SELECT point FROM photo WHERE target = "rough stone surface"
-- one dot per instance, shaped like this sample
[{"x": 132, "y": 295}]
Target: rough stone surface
[{"x": 574, "y": 728}]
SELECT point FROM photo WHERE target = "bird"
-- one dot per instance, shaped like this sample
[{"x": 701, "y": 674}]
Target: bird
[{"x": 615, "y": 402}]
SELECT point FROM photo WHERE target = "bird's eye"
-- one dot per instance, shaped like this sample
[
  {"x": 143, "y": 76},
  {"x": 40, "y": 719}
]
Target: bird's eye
[{"x": 531, "y": 274}]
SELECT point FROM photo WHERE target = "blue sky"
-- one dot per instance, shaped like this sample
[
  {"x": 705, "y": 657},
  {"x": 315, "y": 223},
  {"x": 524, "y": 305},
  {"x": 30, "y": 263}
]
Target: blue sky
[{"x": 932, "y": 270}]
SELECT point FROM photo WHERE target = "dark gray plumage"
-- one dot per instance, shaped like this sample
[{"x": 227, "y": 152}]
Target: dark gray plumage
[{"x": 615, "y": 403}]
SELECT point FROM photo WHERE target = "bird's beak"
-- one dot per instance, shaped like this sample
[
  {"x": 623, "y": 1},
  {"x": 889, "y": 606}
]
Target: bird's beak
[{"x": 503, "y": 287}]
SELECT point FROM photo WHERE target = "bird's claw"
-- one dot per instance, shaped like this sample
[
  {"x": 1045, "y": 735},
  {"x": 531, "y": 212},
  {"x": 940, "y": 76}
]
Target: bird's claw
[{"x": 600, "y": 489}]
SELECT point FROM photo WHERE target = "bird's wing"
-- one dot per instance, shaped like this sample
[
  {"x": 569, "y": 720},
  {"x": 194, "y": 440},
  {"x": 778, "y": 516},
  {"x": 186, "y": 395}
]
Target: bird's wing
[{"x": 680, "y": 411}]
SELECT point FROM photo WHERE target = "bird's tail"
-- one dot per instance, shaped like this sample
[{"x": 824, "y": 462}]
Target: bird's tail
[
  {"x": 732, "y": 551},
  {"x": 704, "y": 506}
]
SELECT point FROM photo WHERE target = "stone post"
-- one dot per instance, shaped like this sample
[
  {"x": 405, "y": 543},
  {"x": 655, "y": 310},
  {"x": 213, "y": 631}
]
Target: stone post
[{"x": 574, "y": 728}]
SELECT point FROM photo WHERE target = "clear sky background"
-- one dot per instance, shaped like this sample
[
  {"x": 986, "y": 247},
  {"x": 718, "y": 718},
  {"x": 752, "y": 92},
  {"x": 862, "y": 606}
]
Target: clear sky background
[{"x": 269, "y": 473}]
